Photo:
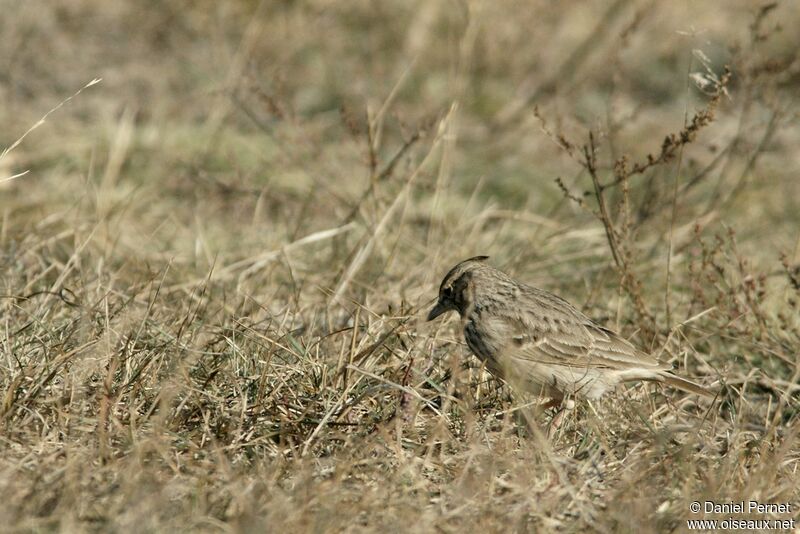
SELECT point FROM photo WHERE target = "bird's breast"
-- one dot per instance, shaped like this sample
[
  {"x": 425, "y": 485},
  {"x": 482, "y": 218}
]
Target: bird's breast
[{"x": 479, "y": 342}]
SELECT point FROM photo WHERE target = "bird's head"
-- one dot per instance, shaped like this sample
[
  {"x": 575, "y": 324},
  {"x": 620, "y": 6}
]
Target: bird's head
[{"x": 457, "y": 290}]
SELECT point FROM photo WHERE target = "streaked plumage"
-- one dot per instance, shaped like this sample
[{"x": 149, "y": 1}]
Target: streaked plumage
[{"x": 539, "y": 342}]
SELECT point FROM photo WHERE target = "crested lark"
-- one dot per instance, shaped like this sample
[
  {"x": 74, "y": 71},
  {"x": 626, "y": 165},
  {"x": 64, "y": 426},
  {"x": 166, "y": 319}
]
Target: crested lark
[{"x": 539, "y": 342}]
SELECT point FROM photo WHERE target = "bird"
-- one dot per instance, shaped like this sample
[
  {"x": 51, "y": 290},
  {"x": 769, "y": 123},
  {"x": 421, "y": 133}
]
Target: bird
[{"x": 539, "y": 342}]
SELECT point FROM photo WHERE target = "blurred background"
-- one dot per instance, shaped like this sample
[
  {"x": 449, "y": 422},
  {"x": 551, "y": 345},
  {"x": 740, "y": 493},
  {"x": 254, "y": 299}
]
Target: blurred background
[
  {"x": 277, "y": 95},
  {"x": 207, "y": 100}
]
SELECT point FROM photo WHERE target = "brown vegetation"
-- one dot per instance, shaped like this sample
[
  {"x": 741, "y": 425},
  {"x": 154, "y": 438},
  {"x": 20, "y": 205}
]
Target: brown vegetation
[{"x": 215, "y": 263}]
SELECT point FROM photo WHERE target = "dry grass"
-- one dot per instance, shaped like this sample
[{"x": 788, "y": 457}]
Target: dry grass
[{"x": 214, "y": 273}]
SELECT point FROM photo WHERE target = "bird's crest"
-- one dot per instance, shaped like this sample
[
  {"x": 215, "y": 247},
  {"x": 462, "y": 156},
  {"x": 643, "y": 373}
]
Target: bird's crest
[{"x": 460, "y": 269}]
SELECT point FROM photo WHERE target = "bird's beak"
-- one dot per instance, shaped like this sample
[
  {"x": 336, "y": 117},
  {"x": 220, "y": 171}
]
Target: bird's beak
[{"x": 436, "y": 311}]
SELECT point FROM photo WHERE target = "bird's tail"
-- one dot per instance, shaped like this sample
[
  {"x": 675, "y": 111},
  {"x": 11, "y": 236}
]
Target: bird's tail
[{"x": 681, "y": 383}]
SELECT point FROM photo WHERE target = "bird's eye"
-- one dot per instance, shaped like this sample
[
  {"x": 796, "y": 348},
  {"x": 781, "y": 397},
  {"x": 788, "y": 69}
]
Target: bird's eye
[{"x": 447, "y": 292}]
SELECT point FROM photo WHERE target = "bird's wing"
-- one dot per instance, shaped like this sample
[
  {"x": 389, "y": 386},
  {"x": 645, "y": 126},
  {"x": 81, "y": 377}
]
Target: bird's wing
[{"x": 567, "y": 337}]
